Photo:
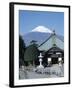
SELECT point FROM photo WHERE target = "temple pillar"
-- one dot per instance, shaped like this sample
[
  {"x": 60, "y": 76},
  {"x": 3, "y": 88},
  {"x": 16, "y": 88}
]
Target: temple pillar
[
  {"x": 49, "y": 61},
  {"x": 60, "y": 61}
]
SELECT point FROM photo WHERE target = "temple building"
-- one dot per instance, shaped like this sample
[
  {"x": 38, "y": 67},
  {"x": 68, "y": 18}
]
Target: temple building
[{"x": 52, "y": 48}]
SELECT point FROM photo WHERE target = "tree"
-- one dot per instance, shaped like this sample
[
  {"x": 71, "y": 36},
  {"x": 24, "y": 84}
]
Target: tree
[
  {"x": 33, "y": 42},
  {"x": 31, "y": 54},
  {"x": 21, "y": 51}
]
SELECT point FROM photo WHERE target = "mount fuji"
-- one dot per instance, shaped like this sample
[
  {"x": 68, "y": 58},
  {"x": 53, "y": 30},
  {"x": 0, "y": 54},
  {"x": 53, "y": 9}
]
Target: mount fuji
[
  {"x": 42, "y": 29},
  {"x": 39, "y": 34}
]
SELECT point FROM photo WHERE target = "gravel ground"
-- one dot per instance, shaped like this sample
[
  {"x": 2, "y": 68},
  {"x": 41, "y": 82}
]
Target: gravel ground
[{"x": 48, "y": 72}]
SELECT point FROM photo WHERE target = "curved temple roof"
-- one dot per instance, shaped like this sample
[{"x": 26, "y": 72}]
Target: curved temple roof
[{"x": 52, "y": 40}]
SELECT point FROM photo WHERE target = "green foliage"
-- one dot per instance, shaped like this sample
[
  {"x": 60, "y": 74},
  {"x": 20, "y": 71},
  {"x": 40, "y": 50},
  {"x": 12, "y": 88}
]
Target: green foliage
[
  {"x": 31, "y": 54},
  {"x": 21, "y": 50}
]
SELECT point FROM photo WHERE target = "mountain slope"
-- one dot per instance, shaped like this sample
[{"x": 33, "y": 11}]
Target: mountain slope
[
  {"x": 39, "y": 34},
  {"x": 40, "y": 37}
]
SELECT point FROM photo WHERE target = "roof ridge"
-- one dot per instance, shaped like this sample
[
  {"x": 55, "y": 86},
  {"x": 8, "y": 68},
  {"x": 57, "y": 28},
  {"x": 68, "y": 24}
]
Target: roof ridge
[
  {"x": 45, "y": 40},
  {"x": 49, "y": 38}
]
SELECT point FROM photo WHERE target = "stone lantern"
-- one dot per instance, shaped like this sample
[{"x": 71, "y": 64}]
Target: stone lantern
[{"x": 40, "y": 60}]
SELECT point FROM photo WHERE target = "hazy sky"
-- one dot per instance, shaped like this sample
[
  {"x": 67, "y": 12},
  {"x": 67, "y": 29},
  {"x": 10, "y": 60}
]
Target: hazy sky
[{"x": 28, "y": 20}]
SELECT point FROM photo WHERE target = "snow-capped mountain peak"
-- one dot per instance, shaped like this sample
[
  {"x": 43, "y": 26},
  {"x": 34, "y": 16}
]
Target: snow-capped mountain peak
[{"x": 42, "y": 29}]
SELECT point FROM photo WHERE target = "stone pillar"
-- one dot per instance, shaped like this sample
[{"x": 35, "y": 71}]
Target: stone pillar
[{"x": 40, "y": 62}]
